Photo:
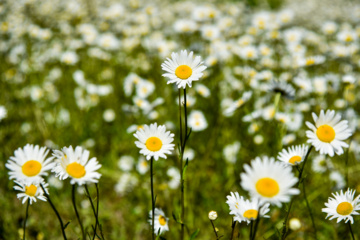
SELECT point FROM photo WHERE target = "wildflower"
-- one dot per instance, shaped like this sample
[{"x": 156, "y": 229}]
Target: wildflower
[
  {"x": 293, "y": 155},
  {"x": 76, "y": 165},
  {"x": 29, "y": 163},
  {"x": 197, "y": 121},
  {"x": 212, "y": 215},
  {"x": 154, "y": 141},
  {"x": 160, "y": 221},
  {"x": 246, "y": 210},
  {"x": 294, "y": 224},
  {"x": 286, "y": 90},
  {"x": 31, "y": 190},
  {"x": 342, "y": 206},
  {"x": 269, "y": 181},
  {"x": 328, "y": 133},
  {"x": 182, "y": 69},
  {"x": 126, "y": 163},
  {"x": 69, "y": 58}
]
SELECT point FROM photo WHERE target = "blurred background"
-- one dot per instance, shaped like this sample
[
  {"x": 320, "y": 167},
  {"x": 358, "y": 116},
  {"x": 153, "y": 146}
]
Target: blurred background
[{"x": 88, "y": 73}]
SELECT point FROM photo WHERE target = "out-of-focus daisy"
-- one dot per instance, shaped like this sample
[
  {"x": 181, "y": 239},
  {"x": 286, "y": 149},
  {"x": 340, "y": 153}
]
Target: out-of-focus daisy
[
  {"x": 269, "y": 181},
  {"x": 126, "y": 163},
  {"x": 229, "y": 111},
  {"x": 142, "y": 166},
  {"x": 108, "y": 41},
  {"x": 174, "y": 175},
  {"x": 69, "y": 58},
  {"x": 328, "y": 133},
  {"x": 309, "y": 61},
  {"x": 3, "y": 112},
  {"x": 231, "y": 151},
  {"x": 31, "y": 190},
  {"x": 29, "y": 163},
  {"x": 293, "y": 155},
  {"x": 197, "y": 121},
  {"x": 246, "y": 210},
  {"x": 154, "y": 141},
  {"x": 76, "y": 165},
  {"x": 160, "y": 221},
  {"x": 182, "y": 69},
  {"x": 342, "y": 206},
  {"x": 202, "y": 90},
  {"x": 285, "y": 89}
]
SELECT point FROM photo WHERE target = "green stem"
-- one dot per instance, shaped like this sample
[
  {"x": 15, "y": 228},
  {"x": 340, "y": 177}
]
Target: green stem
[
  {"x": 95, "y": 212},
  {"x": 56, "y": 212},
  {"x": 351, "y": 231},
  {"x": 233, "y": 224},
  {"x": 284, "y": 231},
  {"x": 251, "y": 229},
  {"x": 217, "y": 237},
  {"x": 26, "y": 216},
  {"x": 256, "y": 226},
  {"x": 77, "y": 213},
  {"x": 310, "y": 212},
  {"x": 152, "y": 199}
]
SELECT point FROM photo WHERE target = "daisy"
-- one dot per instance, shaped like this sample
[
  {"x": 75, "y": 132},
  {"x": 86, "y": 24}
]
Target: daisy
[
  {"x": 160, "y": 221},
  {"x": 182, "y": 69},
  {"x": 31, "y": 190},
  {"x": 76, "y": 165},
  {"x": 343, "y": 206},
  {"x": 154, "y": 141},
  {"x": 269, "y": 181},
  {"x": 246, "y": 210},
  {"x": 293, "y": 155},
  {"x": 285, "y": 89},
  {"x": 29, "y": 163},
  {"x": 329, "y": 133}
]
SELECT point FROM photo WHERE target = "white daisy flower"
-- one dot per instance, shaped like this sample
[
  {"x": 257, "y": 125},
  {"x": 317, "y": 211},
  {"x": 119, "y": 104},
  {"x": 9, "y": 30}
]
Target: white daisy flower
[
  {"x": 293, "y": 155},
  {"x": 182, "y": 69},
  {"x": 329, "y": 133},
  {"x": 269, "y": 181},
  {"x": 342, "y": 206},
  {"x": 154, "y": 141},
  {"x": 197, "y": 121},
  {"x": 29, "y": 163},
  {"x": 31, "y": 190},
  {"x": 76, "y": 165},
  {"x": 246, "y": 210},
  {"x": 160, "y": 221}
]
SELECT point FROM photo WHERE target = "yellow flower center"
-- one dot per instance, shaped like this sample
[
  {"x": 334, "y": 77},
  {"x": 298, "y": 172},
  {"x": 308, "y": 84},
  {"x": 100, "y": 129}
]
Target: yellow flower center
[
  {"x": 162, "y": 220},
  {"x": 295, "y": 159},
  {"x": 325, "y": 133},
  {"x": 31, "y": 168},
  {"x": 183, "y": 72},
  {"x": 75, "y": 170},
  {"x": 153, "y": 144},
  {"x": 267, "y": 187},
  {"x": 344, "y": 208},
  {"x": 310, "y": 61},
  {"x": 251, "y": 214},
  {"x": 30, "y": 190}
]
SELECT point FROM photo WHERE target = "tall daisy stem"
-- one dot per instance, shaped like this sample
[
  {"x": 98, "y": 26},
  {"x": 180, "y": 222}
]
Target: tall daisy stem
[
  {"x": 233, "y": 224},
  {"x": 255, "y": 228},
  {"x": 26, "y": 216},
  {"x": 251, "y": 229},
  {"x": 56, "y": 212},
  {"x": 95, "y": 211},
  {"x": 217, "y": 237},
  {"x": 351, "y": 231},
  {"x": 152, "y": 199},
  {"x": 310, "y": 212},
  {"x": 284, "y": 231},
  {"x": 76, "y": 211}
]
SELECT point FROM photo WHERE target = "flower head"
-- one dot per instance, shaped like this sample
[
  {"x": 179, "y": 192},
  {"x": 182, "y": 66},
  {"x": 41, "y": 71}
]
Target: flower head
[
  {"x": 31, "y": 190},
  {"x": 182, "y": 69},
  {"x": 269, "y": 181},
  {"x": 293, "y": 155},
  {"x": 246, "y": 210},
  {"x": 154, "y": 141},
  {"x": 29, "y": 163},
  {"x": 160, "y": 221},
  {"x": 342, "y": 206},
  {"x": 329, "y": 133},
  {"x": 76, "y": 165}
]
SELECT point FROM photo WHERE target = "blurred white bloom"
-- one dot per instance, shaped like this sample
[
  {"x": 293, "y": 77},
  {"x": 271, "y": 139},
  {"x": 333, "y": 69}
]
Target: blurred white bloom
[
  {"x": 142, "y": 165},
  {"x": 189, "y": 154},
  {"x": 185, "y": 25},
  {"x": 197, "y": 121},
  {"x": 174, "y": 175},
  {"x": 126, "y": 163},
  {"x": 108, "y": 41},
  {"x": 126, "y": 183},
  {"x": 338, "y": 178},
  {"x": 69, "y": 58},
  {"x": 109, "y": 115},
  {"x": 231, "y": 151},
  {"x": 3, "y": 112},
  {"x": 294, "y": 224}
]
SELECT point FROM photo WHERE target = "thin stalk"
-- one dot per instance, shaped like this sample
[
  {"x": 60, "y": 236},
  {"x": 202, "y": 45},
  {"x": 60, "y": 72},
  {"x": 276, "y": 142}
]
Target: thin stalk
[
  {"x": 351, "y": 231},
  {"x": 256, "y": 227},
  {"x": 76, "y": 211},
  {"x": 95, "y": 212},
  {"x": 217, "y": 237},
  {"x": 233, "y": 224},
  {"x": 284, "y": 231},
  {"x": 152, "y": 198},
  {"x": 251, "y": 229},
  {"x": 56, "y": 212},
  {"x": 26, "y": 216},
  {"x": 310, "y": 212}
]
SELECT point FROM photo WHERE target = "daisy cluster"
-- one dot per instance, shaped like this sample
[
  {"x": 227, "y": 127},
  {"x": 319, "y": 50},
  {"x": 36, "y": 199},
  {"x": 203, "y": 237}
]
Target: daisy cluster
[{"x": 31, "y": 164}]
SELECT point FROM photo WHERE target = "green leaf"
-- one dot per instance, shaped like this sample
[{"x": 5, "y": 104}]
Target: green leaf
[
  {"x": 194, "y": 235},
  {"x": 185, "y": 166}
]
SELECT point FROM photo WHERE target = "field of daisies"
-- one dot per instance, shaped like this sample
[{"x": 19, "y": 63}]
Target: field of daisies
[{"x": 179, "y": 119}]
